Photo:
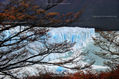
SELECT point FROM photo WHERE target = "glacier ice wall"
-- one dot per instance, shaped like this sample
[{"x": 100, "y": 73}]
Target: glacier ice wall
[
  {"x": 81, "y": 36},
  {"x": 73, "y": 34}
]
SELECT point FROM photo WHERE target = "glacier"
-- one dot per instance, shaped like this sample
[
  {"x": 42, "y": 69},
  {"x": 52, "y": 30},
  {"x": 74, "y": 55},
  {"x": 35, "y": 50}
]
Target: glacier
[
  {"x": 84, "y": 43},
  {"x": 81, "y": 36},
  {"x": 72, "y": 34}
]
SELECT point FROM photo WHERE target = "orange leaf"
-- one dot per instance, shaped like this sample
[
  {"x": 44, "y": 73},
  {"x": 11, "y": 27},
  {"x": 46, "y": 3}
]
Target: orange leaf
[{"x": 52, "y": 14}]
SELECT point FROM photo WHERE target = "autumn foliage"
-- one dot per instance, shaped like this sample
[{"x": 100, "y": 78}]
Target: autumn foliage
[{"x": 25, "y": 11}]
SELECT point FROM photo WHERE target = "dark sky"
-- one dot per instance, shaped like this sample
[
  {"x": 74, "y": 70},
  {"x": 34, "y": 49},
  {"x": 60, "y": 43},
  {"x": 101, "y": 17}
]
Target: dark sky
[{"x": 100, "y": 14}]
